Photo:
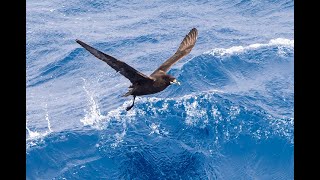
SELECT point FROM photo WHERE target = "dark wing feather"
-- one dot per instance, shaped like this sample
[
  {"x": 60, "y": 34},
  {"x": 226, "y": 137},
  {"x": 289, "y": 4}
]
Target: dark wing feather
[
  {"x": 184, "y": 49},
  {"x": 127, "y": 71}
]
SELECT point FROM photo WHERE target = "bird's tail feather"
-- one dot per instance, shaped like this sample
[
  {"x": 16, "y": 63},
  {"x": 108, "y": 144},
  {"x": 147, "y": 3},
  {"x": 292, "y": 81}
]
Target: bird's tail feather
[{"x": 128, "y": 93}]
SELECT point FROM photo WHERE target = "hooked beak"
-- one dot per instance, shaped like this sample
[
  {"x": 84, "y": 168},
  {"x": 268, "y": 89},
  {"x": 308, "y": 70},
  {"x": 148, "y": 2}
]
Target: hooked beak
[{"x": 175, "y": 82}]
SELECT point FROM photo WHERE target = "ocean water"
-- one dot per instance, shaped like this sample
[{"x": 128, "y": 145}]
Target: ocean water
[{"x": 232, "y": 116}]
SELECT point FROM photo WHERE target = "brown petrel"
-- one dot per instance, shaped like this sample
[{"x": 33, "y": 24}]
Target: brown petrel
[{"x": 143, "y": 84}]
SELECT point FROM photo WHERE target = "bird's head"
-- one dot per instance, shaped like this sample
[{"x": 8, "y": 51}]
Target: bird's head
[{"x": 172, "y": 80}]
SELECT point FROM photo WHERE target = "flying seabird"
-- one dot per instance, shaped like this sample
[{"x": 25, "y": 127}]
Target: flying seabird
[{"x": 143, "y": 84}]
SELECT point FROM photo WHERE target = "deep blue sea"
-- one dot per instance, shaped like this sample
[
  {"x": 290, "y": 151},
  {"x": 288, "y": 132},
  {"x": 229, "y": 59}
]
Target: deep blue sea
[{"x": 232, "y": 117}]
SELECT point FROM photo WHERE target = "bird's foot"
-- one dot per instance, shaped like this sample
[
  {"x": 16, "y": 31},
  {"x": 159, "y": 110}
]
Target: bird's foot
[{"x": 129, "y": 107}]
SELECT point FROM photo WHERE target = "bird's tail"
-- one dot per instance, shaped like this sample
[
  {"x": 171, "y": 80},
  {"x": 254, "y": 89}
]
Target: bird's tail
[{"x": 128, "y": 93}]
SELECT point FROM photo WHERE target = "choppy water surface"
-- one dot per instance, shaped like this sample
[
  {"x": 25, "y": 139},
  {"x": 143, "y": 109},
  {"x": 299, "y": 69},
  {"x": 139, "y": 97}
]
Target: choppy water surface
[{"x": 231, "y": 118}]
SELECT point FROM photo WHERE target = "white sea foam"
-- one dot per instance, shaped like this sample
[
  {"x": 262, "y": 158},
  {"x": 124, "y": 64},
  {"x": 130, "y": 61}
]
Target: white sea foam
[
  {"x": 35, "y": 135},
  {"x": 119, "y": 136},
  {"x": 93, "y": 115},
  {"x": 196, "y": 114},
  {"x": 155, "y": 129},
  {"x": 32, "y": 134},
  {"x": 281, "y": 42},
  {"x": 47, "y": 118}
]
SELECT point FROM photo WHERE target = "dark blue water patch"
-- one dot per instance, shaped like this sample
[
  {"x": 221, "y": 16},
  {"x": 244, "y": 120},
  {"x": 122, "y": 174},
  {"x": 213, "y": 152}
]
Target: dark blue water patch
[
  {"x": 248, "y": 158},
  {"x": 52, "y": 67},
  {"x": 202, "y": 72},
  {"x": 168, "y": 162},
  {"x": 239, "y": 135},
  {"x": 143, "y": 162},
  {"x": 58, "y": 152},
  {"x": 239, "y": 66},
  {"x": 224, "y": 116},
  {"x": 228, "y": 31},
  {"x": 146, "y": 38},
  {"x": 234, "y": 139},
  {"x": 208, "y": 71},
  {"x": 282, "y": 98},
  {"x": 77, "y": 155},
  {"x": 267, "y": 55}
]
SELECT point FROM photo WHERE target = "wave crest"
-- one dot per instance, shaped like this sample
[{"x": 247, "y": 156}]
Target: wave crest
[{"x": 280, "y": 42}]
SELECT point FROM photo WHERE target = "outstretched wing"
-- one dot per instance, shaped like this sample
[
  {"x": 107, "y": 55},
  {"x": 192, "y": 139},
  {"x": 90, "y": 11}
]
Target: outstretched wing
[
  {"x": 184, "y": 49},
  {"x": 127, "y": 71}
]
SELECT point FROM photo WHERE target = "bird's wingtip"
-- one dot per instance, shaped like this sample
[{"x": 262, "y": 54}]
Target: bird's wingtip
[{"x": 80, "y": 42}]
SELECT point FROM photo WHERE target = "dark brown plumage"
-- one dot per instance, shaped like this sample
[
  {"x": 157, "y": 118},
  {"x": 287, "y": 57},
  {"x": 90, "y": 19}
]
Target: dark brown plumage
[{"x": 158, "y": 80}]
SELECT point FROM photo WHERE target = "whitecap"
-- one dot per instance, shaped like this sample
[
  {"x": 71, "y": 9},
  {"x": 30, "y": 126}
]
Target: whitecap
[{"x": 281, "y": 42}]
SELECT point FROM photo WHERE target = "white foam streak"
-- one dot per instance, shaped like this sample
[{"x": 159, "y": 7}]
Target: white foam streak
[
  {"x": 34, "y": 137},
  {"x": 282, "y": 42},
  {"x": 32, "y": 134},
  {"x": 239, "y": 49},
  {"x": 47, "y": 118},
  {"x": 194, "y": 113},
  {"x": 197, "y": 115},
  {"x": 154, "y": 129},
  {"x": 93, "y": 116}
]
